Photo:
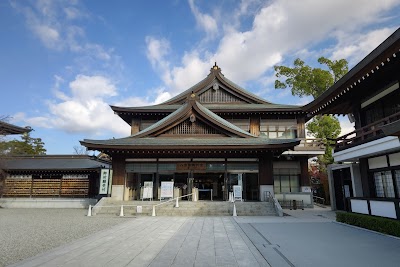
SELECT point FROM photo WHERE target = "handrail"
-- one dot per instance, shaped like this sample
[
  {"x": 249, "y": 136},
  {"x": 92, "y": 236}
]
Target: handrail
[
  {"x": 136, "y": 205},
  {"x": 365, "y": 131},
  {"x": 277, "y": 206},
  {"x": 172, "y": 199}
]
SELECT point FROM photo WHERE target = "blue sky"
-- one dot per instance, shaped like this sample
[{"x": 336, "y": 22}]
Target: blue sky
[{"x": 64, "y": 62}]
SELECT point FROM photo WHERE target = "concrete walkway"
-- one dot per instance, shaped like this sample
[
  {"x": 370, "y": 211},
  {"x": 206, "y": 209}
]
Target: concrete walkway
[{"x": 303, "y": 238}]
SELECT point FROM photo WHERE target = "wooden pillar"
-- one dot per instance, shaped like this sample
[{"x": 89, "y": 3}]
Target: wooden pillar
[
  {"x": 135, "y": 125},
  {"x": 304, "y": 177},
  {"x": 255, "y": 125},
  {"x": 367, "y": 185},
  {"x": 118, "y": 166},
  {"x": 265, "y": 169},
  {"x": 301, "y": 129},
  {"x": 118, "y": 179}
]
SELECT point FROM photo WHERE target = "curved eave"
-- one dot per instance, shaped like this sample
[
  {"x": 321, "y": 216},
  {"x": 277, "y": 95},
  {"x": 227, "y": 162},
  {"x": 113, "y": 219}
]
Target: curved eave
[
  {"x": 371, "y": 64},
  {"x": 93, "y": 145},
  {"x": 216, "y": 108},
  {"x": 8, "y": 129}
]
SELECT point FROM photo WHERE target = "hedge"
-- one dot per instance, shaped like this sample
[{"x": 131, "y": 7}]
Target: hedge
[{"x": 379, "y": 224}]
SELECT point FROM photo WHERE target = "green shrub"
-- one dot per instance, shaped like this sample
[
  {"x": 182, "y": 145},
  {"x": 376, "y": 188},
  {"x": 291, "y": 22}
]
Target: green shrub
[{"x": 379, "y": 224}]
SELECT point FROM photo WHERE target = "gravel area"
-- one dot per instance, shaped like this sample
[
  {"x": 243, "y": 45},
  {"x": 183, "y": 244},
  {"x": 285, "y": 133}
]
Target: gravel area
[{"x": 27, "y": 232}]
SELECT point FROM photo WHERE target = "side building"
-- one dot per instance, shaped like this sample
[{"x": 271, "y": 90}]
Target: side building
[
  {"x": 55, "y": 176},
  {"x": 367, "y": 180},
  {"x": 211, "y": 137}
]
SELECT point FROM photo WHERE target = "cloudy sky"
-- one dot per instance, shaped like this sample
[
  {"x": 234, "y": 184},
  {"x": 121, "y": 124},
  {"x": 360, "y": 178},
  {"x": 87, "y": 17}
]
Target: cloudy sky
[{"x": 64, "y": 62}]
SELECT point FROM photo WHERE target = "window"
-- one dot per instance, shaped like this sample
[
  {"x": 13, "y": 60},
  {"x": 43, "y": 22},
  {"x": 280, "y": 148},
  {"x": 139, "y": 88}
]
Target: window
[
  {"x": 397, "y": 180},
  {"x": 285, "y": 183},
  {"x": 384, "y": 184},
  {"x": 278, "y": 128}
]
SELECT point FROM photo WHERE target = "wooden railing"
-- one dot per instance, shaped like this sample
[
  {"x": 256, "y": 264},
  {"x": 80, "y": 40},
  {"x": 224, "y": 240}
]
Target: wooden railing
[
  {"x": 365, "y": 134},
  {"x": 310, "y": 144}
]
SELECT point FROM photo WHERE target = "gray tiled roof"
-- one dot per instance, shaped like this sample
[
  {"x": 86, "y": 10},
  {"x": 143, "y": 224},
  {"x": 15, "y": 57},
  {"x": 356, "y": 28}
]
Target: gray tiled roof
[
  {"x": 219, "y": 107},
  {"x": 160, "y": 122},
  {"x": 7, "y": 128},
  {"x": 223, "y": 141},
  {"x": 221, "y": 120},
  {"x": 51, "y": 163}
]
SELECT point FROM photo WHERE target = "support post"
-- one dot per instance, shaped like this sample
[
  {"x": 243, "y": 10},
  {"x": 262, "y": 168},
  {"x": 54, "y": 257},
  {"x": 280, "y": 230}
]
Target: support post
[
  {"x": 234, "y": 210},
  {"x": 177, "y": 203},
  {"x": 89, "y": 211},
  {"x": 154, "y": 211},
  {"x": 121, "y": 213}
]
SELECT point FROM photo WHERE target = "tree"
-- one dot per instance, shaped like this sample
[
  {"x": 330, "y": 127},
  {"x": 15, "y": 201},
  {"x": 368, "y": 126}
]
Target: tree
[
  {"x": 326, "y": 128},
  {"x": 307, "y": 81},
  {"x": 28, "y": 146}
]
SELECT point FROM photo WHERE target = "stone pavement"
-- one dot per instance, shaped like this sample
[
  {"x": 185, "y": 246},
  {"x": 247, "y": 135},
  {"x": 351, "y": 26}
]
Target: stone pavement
[
  {"x": 305, "y": 238},
  {"x": 159, "y": 241}
]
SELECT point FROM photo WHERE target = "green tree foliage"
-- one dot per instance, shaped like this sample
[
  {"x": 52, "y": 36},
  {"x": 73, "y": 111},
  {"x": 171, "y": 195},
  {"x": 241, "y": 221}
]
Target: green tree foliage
[
  {"x": 27, "y": 146},
  {"x": 327, "y": 128},
  {"x": 307, "y": 81}
]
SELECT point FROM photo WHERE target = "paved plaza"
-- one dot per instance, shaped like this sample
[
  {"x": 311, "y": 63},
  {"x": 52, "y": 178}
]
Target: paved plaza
[{"x": 303, "y": 238}]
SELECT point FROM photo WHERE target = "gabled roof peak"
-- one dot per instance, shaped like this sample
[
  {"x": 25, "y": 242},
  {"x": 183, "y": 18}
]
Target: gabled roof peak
[{"x": 215, "y": 68}]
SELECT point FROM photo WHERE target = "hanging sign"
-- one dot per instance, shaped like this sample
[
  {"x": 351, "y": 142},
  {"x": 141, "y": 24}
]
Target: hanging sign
[
  {"x": 104, "y": 177},
  {"x": 167, "y": 190},
  {"x": 194, "y": 166}
]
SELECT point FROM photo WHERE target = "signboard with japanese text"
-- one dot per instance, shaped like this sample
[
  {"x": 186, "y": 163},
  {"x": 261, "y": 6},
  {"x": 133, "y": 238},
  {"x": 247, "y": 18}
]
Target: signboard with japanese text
[
  {"x": 167, "y": 190},
  {"x": 194, "y": 166},
  {"x": 237, "y": 192},
  {"x": 148, "y": 190},
  {"x": 104, "y": 178}
]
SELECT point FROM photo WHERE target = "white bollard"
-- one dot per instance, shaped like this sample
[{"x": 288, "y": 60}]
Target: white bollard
[
  {"x": 121, "y": 214},
  {"x": 154, "y": 211},
  {"x": 89, "y": 213},
  {"x": 234, "y": 210},
  {"x": 177, "y": 203}
]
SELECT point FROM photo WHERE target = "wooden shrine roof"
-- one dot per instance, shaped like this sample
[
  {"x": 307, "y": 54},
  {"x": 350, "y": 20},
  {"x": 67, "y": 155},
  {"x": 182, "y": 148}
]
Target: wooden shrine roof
[
  {"x": 53, "y": 162},
  {"x": 7, "y": 129}
]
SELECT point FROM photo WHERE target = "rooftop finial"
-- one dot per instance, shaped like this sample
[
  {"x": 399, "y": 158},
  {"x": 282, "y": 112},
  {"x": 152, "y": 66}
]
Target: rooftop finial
[{"x": 215, "y": 67}]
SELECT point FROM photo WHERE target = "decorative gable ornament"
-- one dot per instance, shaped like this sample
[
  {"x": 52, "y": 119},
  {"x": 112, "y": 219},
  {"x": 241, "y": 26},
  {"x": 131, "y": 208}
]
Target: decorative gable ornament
[
  {"x": 192, "y": 118},
  {"x": 215, "y": 86}
]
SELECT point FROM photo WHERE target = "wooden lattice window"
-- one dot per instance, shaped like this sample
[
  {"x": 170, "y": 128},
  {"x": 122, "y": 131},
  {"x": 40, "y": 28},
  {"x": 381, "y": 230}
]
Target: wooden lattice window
[
  {"x": 218, "y": 96},
  {"x": 188, "y": 127}
]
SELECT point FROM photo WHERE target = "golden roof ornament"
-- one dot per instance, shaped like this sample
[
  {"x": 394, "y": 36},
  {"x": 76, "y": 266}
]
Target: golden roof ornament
[{"x": 215, "y": 67}]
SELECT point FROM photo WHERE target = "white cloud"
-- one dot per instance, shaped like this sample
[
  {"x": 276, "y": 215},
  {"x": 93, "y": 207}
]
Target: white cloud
[
  {"x": 53, "y": 23},
  {"x": 49, "y": 36},
  {"x": 278, "y": 28},
  {"x": 346, "y": 125},
  {"x": 84, "y": 107},
  {"x": 205, "y": 21},
  {"x": 89, "y": 87},
  {"x": 354, "y": 47}
]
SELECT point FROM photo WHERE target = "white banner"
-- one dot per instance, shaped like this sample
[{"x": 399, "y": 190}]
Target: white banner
[
  {"x": 167, "y": 190},
  {"x": 148, "y": 190},
  {"x": 104, "y": 178}
]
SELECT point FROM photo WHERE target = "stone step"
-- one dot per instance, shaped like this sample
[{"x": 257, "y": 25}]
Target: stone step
[{"x": 187, "y": 208}]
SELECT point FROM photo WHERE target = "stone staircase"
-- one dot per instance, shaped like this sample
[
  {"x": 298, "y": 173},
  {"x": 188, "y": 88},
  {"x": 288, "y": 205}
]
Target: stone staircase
[{"x": 186, "y": 208}]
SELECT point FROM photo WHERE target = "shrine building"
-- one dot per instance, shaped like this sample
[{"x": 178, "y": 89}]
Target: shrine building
[{"x": 211, "y": 137}]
